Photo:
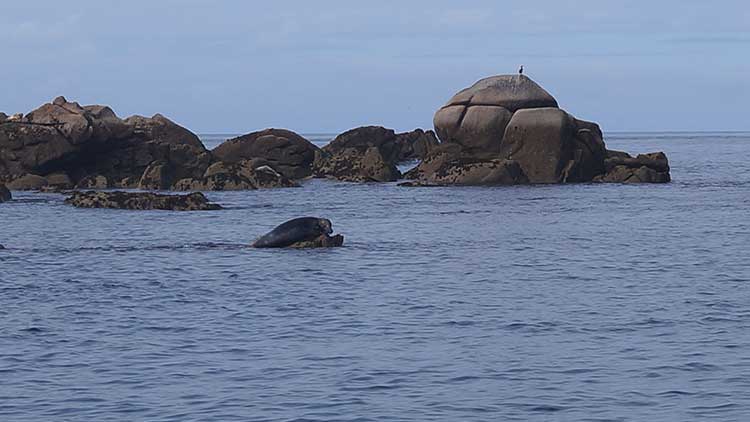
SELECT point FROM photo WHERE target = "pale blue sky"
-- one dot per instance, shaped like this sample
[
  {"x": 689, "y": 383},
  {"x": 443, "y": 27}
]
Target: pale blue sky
[{"x": 329, "y": 65}]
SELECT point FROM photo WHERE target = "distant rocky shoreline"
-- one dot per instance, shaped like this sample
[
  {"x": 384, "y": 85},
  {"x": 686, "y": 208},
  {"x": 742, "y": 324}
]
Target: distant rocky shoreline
[{"x": 503, "y": 130}]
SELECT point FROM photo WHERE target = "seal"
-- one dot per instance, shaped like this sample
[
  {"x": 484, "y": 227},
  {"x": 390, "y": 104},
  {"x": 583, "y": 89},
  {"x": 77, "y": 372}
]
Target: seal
[{"x": 303, "y": 229}]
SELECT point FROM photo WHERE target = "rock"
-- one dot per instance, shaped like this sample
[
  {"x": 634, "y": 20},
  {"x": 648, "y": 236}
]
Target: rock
[
  {"x": 141, "y": 201},
  {"x": 244, "y": 175},
  {"x": 473, "y": 127},
  {"x": 27, "y": 182},
  {"x": 59, "y": 181},
  {"x": 415, "y": 145},
  {"x": 477, "y": 116},
  {"x": 512, "y": 92},
  {"x": 160, "y": 153},
  {"x": 287, "y": 152},
  {"x": 5, "y": 195},
  {"x": 448, "y": 165},
  {"x": 645, "y": 168},
  {"x": 157, "y": 176},
  {"x": 322, "y": 241},
  {"x": 364, "y": 138},
  {"x": 546, "y": 144},
  {"x": 161, "y": 130},
  {"x": 370, "y": 154},
  {"x": 507, "y": 123},
  {"x": 79, "y": 141},
  {"x": 393, "y": 147},
  {"x": 93, "y": 182},
  {"x": 354, "y": 165}
]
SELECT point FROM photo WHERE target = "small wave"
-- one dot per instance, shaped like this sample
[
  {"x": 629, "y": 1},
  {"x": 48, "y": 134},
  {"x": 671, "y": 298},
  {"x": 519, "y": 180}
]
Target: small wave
[{"x": 124, "y": 249}]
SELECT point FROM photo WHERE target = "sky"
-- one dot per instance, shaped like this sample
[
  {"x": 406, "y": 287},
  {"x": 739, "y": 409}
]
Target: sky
[{"x": 326, "y": 66}]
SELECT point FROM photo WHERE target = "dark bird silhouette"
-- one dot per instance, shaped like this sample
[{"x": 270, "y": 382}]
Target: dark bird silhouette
[{"x": 520, "y": 70}]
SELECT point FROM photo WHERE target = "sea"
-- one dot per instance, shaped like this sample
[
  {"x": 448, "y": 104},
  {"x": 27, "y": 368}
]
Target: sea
[{"x": 586, "y": 302}]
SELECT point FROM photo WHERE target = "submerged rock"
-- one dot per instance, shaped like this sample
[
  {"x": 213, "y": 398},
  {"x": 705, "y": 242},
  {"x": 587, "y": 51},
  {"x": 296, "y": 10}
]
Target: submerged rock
[
  {"x": 5, "y": 195},
  {"x": 322, "y": 241},
  {"x": 141, "y": 201}
]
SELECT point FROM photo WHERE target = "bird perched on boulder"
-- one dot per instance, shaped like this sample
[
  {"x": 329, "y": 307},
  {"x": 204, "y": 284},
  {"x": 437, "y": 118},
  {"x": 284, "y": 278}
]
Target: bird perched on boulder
[{"x": 520, "y": 70}]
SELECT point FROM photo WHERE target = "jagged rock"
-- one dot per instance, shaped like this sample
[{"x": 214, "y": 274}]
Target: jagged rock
[
  {"x": 370, "y": 154},
  {"x": 243, "y": 175},
  {"x": 141, "y": 201},
  {"x": 364, "y": 138},
  {"x": 621, "y": 167},
  {"x": 27, "y": 182},
  {"x": 355, "y": 165},
  {"x": 416, "y": 145},
  {"x": 5, "y": 195},
  {"x": 285, "y": 151},
  {"x": 394, "y": 147},
  {"x": 64, "y": 137},
  {"x": 93, "y": 182}
]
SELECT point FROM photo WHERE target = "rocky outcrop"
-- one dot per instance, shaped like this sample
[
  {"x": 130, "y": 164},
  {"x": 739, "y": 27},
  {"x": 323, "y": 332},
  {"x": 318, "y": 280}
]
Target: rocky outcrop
[
  {"x": 621, "y": 167},
  {"x": 72, "y": 145},
  {"x": 5, "y": 195},
  {"x": 141, "y": 201},
  {"x": 507, "y": 130},
  {"x": 244, "y": 175},
  {"x": 285, "y": 151},
  {"x": 371, "y": 153}
]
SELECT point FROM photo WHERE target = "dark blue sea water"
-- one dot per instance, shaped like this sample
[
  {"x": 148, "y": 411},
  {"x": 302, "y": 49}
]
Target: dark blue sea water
[{"x": 533, "y": 303}]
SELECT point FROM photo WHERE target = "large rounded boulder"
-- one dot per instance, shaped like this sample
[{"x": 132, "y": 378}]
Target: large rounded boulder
[
  {"x": 551, "y": 146},
  {"x": 477, "y": 116},
  {"x": 283, "y": 150}
]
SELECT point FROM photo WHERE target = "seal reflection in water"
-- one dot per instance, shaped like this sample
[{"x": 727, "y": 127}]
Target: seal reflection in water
[{"x": 305, "y": 232}]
